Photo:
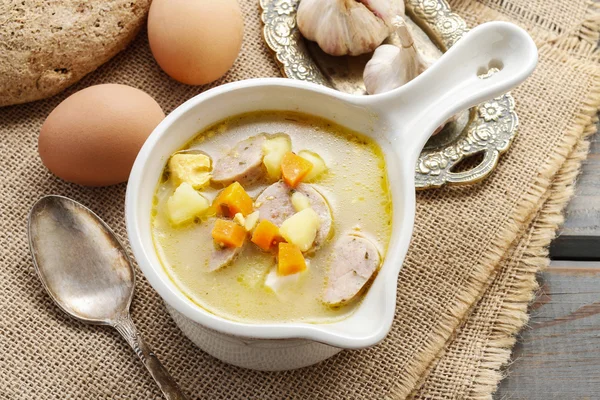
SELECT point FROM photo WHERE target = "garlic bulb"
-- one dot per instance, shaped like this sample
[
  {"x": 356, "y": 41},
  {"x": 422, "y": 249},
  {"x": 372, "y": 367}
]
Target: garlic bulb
[
  {"x": 348, "y": 27},
  {"x": 392, "y": 66}
]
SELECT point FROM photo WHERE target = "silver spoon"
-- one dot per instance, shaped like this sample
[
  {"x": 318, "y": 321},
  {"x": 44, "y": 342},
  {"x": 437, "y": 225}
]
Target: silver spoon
[{"x": 87, "y": 272}]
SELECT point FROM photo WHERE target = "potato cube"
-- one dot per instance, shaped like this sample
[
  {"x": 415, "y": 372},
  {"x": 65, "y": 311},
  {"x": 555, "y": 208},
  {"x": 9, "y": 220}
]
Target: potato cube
[
  {"x": 274, "y": 149},
  {"x": 254, "y": 274},
  {"x": 300, "y": 201},
  {"x": 318, "y": 164},
  {"x": 251, "y": 221},
  {"x": 301, "y": 228},
  {"x": 284, "y": 286},
  {"x": 185, "y": 204},
  {"x": 239, "y": 219},
  {"x": 191, "y": 168}
]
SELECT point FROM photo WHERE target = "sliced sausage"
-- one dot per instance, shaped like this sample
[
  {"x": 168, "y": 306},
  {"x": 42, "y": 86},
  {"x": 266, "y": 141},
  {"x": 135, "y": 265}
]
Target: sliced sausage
[
  {"x": 354, "y": 263},
  {"x": 275, "y": 204},
  {"x": 244, "y": 163},
  {"x": 221, "y": 257}
]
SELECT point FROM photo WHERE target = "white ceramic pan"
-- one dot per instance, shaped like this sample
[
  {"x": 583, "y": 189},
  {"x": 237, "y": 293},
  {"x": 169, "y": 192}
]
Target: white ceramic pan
[{"x": 401, "y": 121}]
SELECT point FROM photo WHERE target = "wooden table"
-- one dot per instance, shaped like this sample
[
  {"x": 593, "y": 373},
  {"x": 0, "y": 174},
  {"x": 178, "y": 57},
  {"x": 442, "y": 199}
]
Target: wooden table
[{"x": 558, "y": 354}]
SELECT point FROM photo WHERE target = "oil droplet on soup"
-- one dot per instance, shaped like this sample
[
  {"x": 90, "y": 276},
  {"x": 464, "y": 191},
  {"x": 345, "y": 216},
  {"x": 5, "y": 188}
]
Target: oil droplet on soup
[{"x": 357, "y": 192}]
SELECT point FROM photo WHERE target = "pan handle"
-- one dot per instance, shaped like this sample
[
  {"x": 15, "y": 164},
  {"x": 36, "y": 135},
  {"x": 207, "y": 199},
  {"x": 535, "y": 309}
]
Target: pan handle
[{"x": 454, "y": 82}]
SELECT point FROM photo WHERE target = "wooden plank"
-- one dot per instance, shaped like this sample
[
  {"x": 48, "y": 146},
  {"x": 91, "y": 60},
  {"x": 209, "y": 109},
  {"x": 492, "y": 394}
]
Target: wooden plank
[
  {"x": 558, "y": 354},
  {"x": 581, "y": 248},
  {"x": 579, "y": 238}
]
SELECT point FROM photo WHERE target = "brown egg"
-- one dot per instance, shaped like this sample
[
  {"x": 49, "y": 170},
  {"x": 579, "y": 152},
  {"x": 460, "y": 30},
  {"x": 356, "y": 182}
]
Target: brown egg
[
  {"x": 195, "y": 41},
  {"x": 94, "y": 135}
]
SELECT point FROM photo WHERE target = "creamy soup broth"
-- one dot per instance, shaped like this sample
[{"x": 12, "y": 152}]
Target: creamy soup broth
[{"x": 355, "y": 186}]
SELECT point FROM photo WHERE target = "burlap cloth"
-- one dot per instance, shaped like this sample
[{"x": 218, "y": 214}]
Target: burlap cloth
[{"x": 462, "y": 293}]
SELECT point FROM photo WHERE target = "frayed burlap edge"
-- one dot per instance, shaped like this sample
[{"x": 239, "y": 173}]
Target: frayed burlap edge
[
  {"x": 483, "y": 272},
  {"x": 589, "y": 29},
  {"x": 544, "y": 224}
]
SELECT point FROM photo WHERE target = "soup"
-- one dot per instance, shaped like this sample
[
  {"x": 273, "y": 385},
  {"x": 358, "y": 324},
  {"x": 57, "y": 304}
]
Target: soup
[{"x": 274, "y": 217}]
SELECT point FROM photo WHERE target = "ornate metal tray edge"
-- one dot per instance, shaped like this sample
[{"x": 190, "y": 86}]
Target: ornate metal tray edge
[{"x": 492, "y": 126}]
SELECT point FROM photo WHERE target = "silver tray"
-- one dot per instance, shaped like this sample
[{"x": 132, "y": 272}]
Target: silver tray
[{"x": 465, "y": 151}]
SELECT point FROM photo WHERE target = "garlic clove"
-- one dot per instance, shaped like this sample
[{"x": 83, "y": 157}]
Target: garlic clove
[
  {"x": 384, "y": 72},
  {"x": 347, "y": 27},
  {"x": 392, "y": 66}
]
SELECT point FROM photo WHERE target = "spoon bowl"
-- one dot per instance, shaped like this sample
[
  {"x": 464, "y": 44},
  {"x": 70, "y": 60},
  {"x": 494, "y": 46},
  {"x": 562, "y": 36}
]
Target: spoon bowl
[
  {"x": 81, "y": 263},
  {"x": 87, "y": 272}
]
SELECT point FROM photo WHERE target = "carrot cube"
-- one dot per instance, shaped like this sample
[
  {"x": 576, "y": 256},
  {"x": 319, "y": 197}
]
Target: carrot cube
[
  {"x": 232, "y": 200},
  {"x": 290, "y": 260},
  {"x": 294, "y": 169},
  {"x": 265, "y": 235},
  {"x": 228, "y": 233}
]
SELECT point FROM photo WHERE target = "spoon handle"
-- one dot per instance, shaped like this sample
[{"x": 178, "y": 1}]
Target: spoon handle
[{"x": 165, "y": 381}]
